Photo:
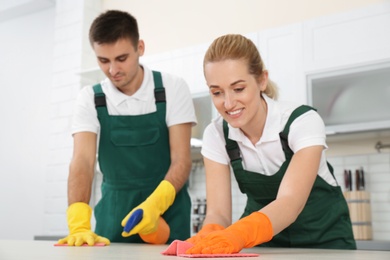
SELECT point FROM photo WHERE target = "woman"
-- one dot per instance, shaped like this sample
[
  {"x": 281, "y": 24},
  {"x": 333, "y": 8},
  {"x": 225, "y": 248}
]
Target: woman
[{"x": 276, "y": 151}]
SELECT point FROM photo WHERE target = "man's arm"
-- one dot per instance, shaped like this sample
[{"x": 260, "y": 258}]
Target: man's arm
[
  {"x": 81, "y": 174},
  {"x": 82, "y": 167},
  {"x": 180, "y": 149}
]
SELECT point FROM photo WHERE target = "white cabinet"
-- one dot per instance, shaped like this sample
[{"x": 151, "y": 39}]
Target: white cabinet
[
  {"x": 347, "y": 39},
  {"x": 281, "y": 50},
  {"x": 346, "y": 63},
  {"x": 294, "y": 52},
  {"x": 354, "y": 99},
  {"x": 91, "y": 76},
  {"x": 186, "y": 63}
]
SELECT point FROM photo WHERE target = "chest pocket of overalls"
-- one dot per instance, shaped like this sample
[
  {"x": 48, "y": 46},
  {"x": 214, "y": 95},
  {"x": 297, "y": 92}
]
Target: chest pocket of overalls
[{"x": 135, "y": 137}]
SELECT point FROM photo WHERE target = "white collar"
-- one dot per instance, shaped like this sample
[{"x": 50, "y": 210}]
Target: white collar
[
  {"x": 118, "y": 97},
  {"x": 271, "y": 127}
]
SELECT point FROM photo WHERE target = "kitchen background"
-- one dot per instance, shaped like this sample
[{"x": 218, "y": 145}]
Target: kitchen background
[{"x": 45, "y": 59}]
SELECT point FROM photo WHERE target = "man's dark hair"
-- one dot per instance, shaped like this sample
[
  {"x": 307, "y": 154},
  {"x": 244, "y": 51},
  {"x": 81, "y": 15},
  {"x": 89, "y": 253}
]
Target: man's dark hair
[{"x": 113, "y": 25}]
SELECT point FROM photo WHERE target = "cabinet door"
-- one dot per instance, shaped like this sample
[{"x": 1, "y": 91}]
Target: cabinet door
[
  {"x": 341, "y": 40},
  {"x": 281, "y": 50},
  {"x": 186, "y": 63}
]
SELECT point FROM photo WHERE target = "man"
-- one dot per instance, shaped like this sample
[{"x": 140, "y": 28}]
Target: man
[{"x": 139, "y": 122}]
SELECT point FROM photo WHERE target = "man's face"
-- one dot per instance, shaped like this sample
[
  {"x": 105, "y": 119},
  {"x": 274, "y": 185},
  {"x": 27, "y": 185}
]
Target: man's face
[{"x": 120, "y": 62}]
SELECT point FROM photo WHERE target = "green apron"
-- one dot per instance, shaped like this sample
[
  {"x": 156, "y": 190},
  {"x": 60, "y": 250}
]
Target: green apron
[
  {"x": 134, "y": 157},
  {"x": 324, "y": 221}
]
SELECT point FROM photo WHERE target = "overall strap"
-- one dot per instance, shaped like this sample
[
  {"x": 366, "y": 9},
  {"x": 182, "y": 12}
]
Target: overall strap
[
  {"x": 100, "y": 97},
  {"x": 159, "y": 91},
  {"x": 100, "y": 100},
  {"x": 232, "y": 149},
  {"x": 284, "y": 134}
]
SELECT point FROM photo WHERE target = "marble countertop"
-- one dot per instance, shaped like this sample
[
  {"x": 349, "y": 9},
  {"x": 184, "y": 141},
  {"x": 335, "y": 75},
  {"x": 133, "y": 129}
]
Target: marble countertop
[{"x": 34, "y": 250}]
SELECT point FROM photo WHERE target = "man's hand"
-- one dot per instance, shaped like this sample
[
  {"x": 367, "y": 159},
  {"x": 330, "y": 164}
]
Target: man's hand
[
  {"x": 79, "y": 223},
  {"x": 153, "y": 207}
]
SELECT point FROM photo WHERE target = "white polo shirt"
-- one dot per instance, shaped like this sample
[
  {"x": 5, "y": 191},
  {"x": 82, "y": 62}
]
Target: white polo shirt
[
  {"x": 179, "y": 109},
  {"x": 267, "y": 155}
]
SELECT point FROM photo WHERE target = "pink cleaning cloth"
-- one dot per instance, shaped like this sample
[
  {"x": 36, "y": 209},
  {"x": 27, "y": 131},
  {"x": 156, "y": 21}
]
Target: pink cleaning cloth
[
  {"x": 179, "y": 248},
  {"x": 96, "y": 244},
  {"x": 218, "y": 255}
]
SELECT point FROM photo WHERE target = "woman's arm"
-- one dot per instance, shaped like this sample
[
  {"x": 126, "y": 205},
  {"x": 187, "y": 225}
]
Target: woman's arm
[
  {"x": 295, "y": 188},
  {"x": 218, "y": 193},
  {"x": 219, "y": 200},
  {"x": 260, "y": 227}
]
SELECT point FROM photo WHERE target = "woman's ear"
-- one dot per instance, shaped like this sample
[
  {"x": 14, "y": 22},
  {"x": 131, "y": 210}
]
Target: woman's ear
[{"x": 263, "y": 80}]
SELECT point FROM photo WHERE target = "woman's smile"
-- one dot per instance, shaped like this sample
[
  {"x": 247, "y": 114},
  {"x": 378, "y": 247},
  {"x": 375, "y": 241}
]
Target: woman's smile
[{"x": 235, "y": 113}]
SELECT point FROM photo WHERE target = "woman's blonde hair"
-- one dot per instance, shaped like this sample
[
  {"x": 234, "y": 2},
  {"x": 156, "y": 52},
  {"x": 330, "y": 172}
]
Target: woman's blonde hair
[{"x": 238, "y": 47}]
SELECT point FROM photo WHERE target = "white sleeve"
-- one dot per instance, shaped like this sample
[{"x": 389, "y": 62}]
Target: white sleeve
[
  {"x": 84, "y": 113},
  {"x": 307, "y": 130},
  {"x": 213, "y": 145},
  {"x": 180, "y": 108}
]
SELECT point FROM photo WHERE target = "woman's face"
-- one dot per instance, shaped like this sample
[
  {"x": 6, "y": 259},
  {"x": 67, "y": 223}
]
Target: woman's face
[{"x": 235, "y": 92}]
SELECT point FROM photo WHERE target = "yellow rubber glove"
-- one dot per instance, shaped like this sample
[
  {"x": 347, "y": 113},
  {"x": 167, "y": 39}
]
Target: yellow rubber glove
[
  {"x": 247, "y": 232},
  {"x": 79, "y": 223},
  {"x": 153, "y": 207},
  {"x": 206, "y": 229}
]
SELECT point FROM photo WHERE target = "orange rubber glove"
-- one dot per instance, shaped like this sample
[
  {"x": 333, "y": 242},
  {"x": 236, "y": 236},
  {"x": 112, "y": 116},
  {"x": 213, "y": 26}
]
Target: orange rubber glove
[
  {"x": 206, "y": 229},
  {"x": 245, "y": 233},
  {"x": 79, "y": 223}
]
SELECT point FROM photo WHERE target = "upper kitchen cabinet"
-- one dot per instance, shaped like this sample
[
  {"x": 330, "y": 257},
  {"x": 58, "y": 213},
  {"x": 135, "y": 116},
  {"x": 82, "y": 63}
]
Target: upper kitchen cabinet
[
  {"x": 205, "y": 112},
  {"x": 346, "y": 62},
  {"x": 92, "y": 76},
  {"x": 347, "y": 39},
  {"x": 186, "y": 63},
  {"x": 350, "y": 100},
  {"x": 281, "y": 51}
]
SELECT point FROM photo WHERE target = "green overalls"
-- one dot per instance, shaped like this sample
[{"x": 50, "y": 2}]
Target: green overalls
[
  {"x": 134, "y": 157},
  {"x": 323, "y": 223}
]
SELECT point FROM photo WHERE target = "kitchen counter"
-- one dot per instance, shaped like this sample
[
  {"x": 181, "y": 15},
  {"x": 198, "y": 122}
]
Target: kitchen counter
[
  {"x": 373, "y": 245},
  {"x": 34, "y": 250}
]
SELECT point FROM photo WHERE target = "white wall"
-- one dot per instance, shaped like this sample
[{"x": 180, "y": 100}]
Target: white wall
[
  {"x": 172, "y": 24},
  {"x": 26, "y": 49},
  {"x": 42, "y": 53}
]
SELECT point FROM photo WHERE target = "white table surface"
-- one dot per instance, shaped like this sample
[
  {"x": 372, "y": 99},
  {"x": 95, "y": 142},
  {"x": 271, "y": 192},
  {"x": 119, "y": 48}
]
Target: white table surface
[{"x": 42, "y": 250}]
